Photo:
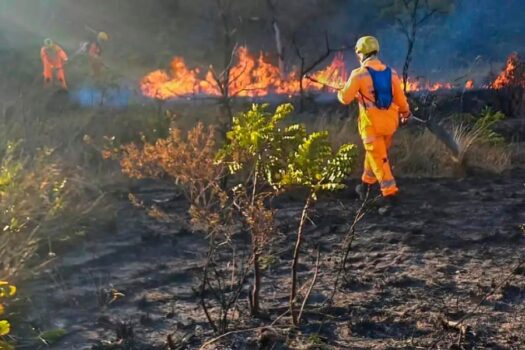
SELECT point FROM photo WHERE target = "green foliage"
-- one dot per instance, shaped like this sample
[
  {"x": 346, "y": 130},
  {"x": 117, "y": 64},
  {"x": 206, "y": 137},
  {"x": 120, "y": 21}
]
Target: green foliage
[
  {"x": 53, "y": 336},
  {"x": 24, "y": 181},
  {"x": 316, "y": 341},
  {"x": 315, "y": 166},
  {"x": 285, "y": 155},
  {"x": 267, "y": 262},
  {"x": 485, "y": 125},
  {"x": 482, "y": 126},
  {"x": 257, "y": 139},
  {"x": 33, "y": 191},
  {"x": 7, "y": 291}
]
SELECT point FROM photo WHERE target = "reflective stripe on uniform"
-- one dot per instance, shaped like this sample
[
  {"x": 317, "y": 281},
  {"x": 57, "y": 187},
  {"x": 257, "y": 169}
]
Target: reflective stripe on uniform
[{"x": 388, "y": 184}]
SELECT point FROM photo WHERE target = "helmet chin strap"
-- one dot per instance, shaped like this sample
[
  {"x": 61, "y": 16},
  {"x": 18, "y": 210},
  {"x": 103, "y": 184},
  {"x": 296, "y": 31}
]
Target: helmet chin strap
[{"x": 367, "y": 58}]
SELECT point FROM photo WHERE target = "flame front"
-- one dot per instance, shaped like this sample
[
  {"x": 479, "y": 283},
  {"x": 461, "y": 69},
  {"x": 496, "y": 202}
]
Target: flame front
[
  {"x": 254, "y": 76},
  {"x": 416, "y": 85},
  {"x": 248, "y": 77}
]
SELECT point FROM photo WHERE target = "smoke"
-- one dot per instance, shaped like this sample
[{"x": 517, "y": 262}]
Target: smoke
[
  {"x": 146, "y": 34},
  {"x": 485, "y": 30}
]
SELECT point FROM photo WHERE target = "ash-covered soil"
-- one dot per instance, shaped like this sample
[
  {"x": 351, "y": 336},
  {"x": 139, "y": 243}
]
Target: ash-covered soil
[{"x": 447, "y": 252}]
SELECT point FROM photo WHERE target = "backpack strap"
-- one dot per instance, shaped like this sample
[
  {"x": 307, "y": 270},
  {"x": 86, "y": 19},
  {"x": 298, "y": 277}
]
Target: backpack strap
[{"x": 382, "y": 82}]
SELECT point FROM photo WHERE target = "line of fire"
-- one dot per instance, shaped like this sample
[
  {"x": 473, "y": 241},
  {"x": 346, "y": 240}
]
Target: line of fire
[{"x": 252, "y": 76}]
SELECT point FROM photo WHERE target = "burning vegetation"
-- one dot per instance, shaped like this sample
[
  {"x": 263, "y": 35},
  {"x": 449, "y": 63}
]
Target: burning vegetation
[
  {"x": 250, "y": 76},
  {"x": 253, "y": 76},
  {"x": 512, "y": 75}
]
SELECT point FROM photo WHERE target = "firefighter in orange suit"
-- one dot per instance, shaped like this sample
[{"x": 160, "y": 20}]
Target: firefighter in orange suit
[
  {"x": 53, "y": 60},
  {"x": 382, "y": 107}
]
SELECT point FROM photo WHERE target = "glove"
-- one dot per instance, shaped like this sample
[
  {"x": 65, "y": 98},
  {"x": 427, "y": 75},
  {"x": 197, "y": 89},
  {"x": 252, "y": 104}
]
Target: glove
[{"x": 405, "y": 117}]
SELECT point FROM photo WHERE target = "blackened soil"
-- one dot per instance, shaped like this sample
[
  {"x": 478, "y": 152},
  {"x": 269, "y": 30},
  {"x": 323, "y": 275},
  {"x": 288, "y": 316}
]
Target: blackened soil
[{"x": 440, "y": 254}]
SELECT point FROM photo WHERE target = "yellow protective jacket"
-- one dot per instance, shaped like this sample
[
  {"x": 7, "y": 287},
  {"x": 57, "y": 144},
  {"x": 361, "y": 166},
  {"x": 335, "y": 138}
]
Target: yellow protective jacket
[{"x": 372, "y": 120}]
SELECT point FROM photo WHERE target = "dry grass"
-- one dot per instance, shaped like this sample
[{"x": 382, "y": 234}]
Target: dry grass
[
  {"x": 420, "y": 154},
  {"x": 340, "y": 131},
  {"x": 465, "y": 137},
  {"x": 493, "y": 158},
  {"x": 477, "y": 151},
  {"x": 51, "y": 181}
]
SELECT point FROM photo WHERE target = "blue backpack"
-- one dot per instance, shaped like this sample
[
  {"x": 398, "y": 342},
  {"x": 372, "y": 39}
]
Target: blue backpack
[{"x": 382, "y": 81}]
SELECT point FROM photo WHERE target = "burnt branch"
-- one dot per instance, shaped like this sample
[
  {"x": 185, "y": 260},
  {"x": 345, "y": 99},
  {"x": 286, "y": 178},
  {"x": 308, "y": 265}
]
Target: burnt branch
[
  {"x": 311, "y": 287},
  {"x": 304, "y": 69},
  {"x": 361, "y": 213}
]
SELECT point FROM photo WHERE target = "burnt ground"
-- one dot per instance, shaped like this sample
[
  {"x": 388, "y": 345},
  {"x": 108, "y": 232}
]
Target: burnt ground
[{"x": 441, "y": 253}]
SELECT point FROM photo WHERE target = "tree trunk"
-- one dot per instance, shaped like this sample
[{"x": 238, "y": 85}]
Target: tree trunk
[
  {"x": 295, "y": 263},
  {"x": 406, "y": 66},
  {"x": 301, "y": 87},
  {"x": 278, "y": 36},
  {"x": 279, "y": 46},
  {"x": 255, "y": 304}
]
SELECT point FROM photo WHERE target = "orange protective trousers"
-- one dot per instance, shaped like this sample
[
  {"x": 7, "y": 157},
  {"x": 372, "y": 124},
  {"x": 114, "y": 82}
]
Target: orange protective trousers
[
  {"x": 59, "y": 73},
  {"x": 376, "y": 126},
  {"x": 377, "y": 167}
]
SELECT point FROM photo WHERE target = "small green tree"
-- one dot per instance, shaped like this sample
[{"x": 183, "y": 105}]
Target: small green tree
[
  {"x": 269, "y": 158},
  {"x": 317, "y": 167},
  {"x": 256, "y": 153},
  {"x": 265, "y": 158}
]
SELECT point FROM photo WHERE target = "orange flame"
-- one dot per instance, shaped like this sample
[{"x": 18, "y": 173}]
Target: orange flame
[
  {"x": 252, "y": 76},
  {"x": 249, "y": 77},
  {"x": 417, "y": 85},
  {"x": 512, "y": 75}
]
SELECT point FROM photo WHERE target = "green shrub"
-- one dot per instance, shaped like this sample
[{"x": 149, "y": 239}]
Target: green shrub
[
  {"x": 485, "y": 124},
  {"x": 7, "y": 291},
  {"x": 32, "y": 191}
]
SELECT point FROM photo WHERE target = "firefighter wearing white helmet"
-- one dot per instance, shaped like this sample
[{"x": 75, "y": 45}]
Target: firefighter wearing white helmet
[{"x": 53, "y": 59}]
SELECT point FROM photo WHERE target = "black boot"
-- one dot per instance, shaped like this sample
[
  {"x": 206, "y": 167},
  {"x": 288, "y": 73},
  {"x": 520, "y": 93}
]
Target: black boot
[
  {"x": 387, "y": 204},
  {"x": 362, "y": 190}
]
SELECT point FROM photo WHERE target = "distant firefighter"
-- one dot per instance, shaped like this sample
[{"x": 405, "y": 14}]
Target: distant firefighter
[
  {"x": 93, "y": 48},
  {"x": 53, "y": 60}
]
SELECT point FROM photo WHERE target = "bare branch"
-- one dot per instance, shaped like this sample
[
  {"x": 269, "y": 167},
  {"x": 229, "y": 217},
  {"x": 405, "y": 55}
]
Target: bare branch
[
  {"x": 312, "y": 284},
  {"x": 426, "y": 17}
]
